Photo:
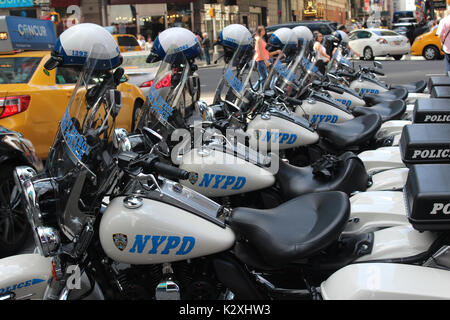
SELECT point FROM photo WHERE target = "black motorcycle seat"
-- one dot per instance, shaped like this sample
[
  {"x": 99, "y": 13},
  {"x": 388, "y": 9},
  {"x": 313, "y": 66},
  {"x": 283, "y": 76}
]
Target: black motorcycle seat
[
  {"x": 413, "y": 87},
  {"x": 350, "y": 133},
  {"x": 388, "y": 110},
  {"x": 295, "y": 229},
  {"x": 349, "y": 175},
  {"x": 394, "y": 94}
]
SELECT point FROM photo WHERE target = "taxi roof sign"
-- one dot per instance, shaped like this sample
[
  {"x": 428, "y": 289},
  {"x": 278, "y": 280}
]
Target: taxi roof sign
[{"x": 18, "y": 33}]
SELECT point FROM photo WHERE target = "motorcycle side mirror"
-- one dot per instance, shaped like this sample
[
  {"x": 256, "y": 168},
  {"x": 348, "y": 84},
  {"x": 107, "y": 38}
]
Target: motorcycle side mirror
[
  {"x": 114, "y": 98},
  {"x": 120, "y": 140},
  {"x": 378, "y": 64},
  {"x": 154, "y": 137}
]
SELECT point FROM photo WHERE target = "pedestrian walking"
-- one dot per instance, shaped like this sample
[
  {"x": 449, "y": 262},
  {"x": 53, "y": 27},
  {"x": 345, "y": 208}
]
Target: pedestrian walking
[
  {"x": 263, "y": 57},
  {"x": 443, "y": 31},
  {"x": 148, "y": 44},
  {"x": 206, "y": 44},
  {"x": 322, "y": 58},
  {"x": 200, "y": 40},
  {"x": 141, "y": 41}
]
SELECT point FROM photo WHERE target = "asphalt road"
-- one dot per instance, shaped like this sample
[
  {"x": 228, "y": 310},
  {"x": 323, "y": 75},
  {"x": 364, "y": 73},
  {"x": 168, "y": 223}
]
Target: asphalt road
[{"x": 398, "y": 72}]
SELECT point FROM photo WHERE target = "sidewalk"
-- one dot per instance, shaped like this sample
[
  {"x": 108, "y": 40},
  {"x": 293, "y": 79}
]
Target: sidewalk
[{"x": 214, "y": 57}]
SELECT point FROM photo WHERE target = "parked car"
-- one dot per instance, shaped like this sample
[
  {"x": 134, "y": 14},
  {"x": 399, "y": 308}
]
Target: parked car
[
  {"x": 428, "y": 45},
  {"x": 402, "y": 15},
  {"x": 371, "y": 43},
  {"x": 127, "y": 42}
]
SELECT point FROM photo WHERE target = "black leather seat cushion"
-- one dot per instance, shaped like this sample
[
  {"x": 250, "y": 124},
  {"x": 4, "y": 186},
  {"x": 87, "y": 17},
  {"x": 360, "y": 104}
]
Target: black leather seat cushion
[
  {"x": 389, "y": 110},
  {"x": 294, "y": 230},
  {"x": 349, "y": 175},
  {"x": 350, "y": 133},
  {"x": 394, "y": 94},
  {"x": 438, "y": 81},
  {"x": 413, "y": 87},
  {"x": 440, "y": 92}
]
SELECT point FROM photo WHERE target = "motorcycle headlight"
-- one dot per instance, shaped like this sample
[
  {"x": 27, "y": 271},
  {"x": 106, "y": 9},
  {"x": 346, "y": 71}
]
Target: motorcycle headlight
[{"x": 47, "y": 238}]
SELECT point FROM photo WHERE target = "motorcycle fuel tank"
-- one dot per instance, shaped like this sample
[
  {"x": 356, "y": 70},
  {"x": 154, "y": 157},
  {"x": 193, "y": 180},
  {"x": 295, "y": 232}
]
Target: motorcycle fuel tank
[
  {"x": 347, "y": 99},
  {"x": 366, "y": 87},
  {"x": 381, "y": 159},
  {"x": 219, "y": 174},
  {"x": 319, "y": 111},
  {"x": 268, "y": 129},
  {"x": 158, "y": 232}
]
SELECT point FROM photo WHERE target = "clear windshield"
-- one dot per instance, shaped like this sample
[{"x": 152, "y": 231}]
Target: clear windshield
[
  {"x": 238, "y": 76},
  {"x": 83, "y": 133},
  {"x": 163, "y": 110},
  {"x": 283, "y": 69},
  {"x": 337, "y": 59}
]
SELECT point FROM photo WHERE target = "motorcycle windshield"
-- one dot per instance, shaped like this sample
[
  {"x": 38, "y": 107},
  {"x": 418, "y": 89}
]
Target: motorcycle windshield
[
  {"x": 283, "y": 70},
  {"x": 163, "y": 110},
  {"x": 239, "y": 74},
  {"x": 85, "y": 127},
  {"x": 338, "y": 58}
]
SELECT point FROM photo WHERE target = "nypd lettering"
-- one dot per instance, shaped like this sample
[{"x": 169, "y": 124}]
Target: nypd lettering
[
  {"x": 20, "y": 285},
  {"x": 234, "y": 82},
  {"x": 155, "y": 244},
  {"x": 345, "y": 102},
  {"x": 437, "y": 118},
  {"x": 368, "y": 91},
  {"x": 440, "y": 207},
  {"x": 431, "y": 154},
  {"x": 158, "y": 104},
  {"x": 318, "y": 118},
  {"x": 224, "y": 182},
  {"x": 284, "y": 72},
  {"x": 279, "y": 137},
  {"x": 77, "y": 143}
]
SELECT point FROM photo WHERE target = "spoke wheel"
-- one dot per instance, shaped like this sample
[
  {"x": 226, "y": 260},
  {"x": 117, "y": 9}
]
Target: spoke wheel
[{"x": 14, "y": 226}]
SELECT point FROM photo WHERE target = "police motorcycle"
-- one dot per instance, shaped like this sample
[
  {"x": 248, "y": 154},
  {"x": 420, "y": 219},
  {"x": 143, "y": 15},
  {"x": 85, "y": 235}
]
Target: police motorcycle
[
  {"x": 216, "y": 132},
  {"x": 154, "y": 238},
  {"x": 15, "y": 150}
]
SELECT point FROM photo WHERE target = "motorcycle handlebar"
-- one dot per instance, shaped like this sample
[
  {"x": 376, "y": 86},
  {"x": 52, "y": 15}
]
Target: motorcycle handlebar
[
  {"x": 293, "y": 101},
  {"x": 377, "y": 72},
  {"x": 171, "y": 171}
]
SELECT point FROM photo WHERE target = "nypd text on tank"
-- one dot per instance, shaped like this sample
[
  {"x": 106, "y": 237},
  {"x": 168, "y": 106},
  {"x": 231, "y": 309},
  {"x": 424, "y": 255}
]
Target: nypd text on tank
[
  {"x": 215, "y": 180},
  {"x": 184, "y": 244}
]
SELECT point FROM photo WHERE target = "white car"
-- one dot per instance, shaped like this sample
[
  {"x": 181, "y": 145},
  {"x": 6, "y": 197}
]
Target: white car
[{"x": 371, "y": 43}]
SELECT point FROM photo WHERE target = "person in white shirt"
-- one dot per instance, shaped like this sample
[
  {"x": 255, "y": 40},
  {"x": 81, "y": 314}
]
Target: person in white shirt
[{"x": 322, "y": 58}]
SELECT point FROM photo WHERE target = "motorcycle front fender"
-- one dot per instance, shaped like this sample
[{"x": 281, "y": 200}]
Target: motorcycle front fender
[{"x": 25, "y": 275}]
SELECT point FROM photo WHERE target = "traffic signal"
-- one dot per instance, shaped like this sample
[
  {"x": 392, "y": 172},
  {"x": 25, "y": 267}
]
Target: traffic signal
[{"x": 211, "y": 12}]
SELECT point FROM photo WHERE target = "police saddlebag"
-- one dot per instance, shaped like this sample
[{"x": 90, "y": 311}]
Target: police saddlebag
[
  {"x": 431, "y": 111},
  {"x": 427, "y": 195},
  {"x": 424, "y": 143},
  {"x": 442, "y": 92},
  {"x": 438, "y": 81}
]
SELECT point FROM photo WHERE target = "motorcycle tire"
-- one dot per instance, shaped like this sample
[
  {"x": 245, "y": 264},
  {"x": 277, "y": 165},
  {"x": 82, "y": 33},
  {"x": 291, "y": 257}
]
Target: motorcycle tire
[{"x": 14, "y": 225}]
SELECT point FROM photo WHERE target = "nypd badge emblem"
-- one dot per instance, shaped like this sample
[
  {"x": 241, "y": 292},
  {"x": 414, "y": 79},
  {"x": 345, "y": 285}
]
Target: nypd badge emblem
[
  {"x": 120, "y": 240},
  {"x": 193, "y": 177}
]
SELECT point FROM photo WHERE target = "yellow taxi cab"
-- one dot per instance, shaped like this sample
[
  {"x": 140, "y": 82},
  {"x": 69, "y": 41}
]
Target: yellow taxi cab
[
  {"x": 127, "y": 42},
  {"x": 428, "y": 45}
]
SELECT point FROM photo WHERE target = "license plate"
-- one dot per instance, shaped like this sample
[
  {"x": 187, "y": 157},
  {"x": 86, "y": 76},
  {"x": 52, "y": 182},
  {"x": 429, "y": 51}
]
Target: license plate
[{"x": 397, "y": 43}]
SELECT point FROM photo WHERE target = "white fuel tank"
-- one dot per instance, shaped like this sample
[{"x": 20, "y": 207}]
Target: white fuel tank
[
  {"x": 269, "y": 129},
  {"x": 366, "y": 87},
  {"x": 318, "y": 111},
  {"x": 386, "y": 281},
  {"x": 347, "y": 99},
  {"x": 220, "y": 174},
  {"x": 157, "y": 232},
  {"x": 391, "y": 128}
]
